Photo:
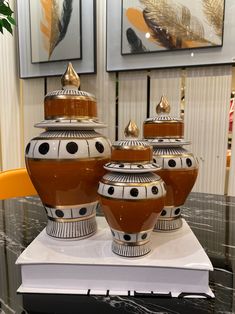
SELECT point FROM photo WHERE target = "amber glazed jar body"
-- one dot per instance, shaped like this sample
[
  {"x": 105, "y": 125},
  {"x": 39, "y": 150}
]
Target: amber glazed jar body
[
  {"x": 131, "y": 204},
  {"x": 179, "y": 170},
  {"x": 131, "y": 194},
  {"x": 65, "y": 167},
  {"x": 65, "y": 163}
]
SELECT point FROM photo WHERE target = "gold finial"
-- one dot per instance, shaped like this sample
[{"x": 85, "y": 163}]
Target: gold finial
[
  {"x": 70, "y": 77},
  {"x": 163, "y": 106},
  {"x": 131, "y": 130}
]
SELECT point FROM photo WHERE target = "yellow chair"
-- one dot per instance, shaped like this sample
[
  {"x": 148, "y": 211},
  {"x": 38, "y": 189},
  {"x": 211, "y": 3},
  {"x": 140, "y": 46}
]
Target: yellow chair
[{"x": 15, "y": 183}]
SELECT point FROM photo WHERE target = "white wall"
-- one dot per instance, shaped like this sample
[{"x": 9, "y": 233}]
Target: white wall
[
  {"x": 10, "y": 104},
  {"x": 207, "y": 95}
]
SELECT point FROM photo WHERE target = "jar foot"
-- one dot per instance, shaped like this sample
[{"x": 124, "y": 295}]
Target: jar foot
[
  {"x": 169, "y": 219},
  {"x": 71, "y": 222},
  {"x": 130, "y": 250}
]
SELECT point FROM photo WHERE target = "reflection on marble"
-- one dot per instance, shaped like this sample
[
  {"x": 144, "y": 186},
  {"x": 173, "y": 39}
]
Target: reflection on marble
[
  {"x": 211, "y": 217},
  {"x": 133, "y": 306},
  {"x": 20, "y": 222},
  {"x": 144, "y": 306}
]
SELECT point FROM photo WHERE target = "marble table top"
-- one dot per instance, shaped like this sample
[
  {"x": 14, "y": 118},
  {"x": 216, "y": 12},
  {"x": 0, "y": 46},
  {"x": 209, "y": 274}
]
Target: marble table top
[{"x": 211, "y": 217}]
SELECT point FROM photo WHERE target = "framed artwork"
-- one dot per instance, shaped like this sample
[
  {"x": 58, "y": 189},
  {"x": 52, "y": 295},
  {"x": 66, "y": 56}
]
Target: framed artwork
[
  {"x": 151, "y": 34},
  {"x": 151, "y": 26},
  {"x": 55, "y": 26},
  {"x": 52, "y": 33}
]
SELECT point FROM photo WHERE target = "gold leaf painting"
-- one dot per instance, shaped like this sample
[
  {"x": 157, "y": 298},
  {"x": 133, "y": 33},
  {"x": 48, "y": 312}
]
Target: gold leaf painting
[
  {"x": 158, "y": 25},
  {"x": 55, "y": 30}
]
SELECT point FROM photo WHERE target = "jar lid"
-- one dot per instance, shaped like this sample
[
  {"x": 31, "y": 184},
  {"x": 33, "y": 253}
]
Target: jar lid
[
  {"x": 70, "y": 108},
  {"x": 163, "y": 125},
  {"x": 131, "y": 154}
]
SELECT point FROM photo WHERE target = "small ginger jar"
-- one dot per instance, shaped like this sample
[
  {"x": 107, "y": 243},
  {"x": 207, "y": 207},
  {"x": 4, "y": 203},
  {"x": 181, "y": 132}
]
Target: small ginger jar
[
  {"x": 65, "y": 163},
  {"x": 131, "y": 194},
  {"x": 179, "y": 168}
]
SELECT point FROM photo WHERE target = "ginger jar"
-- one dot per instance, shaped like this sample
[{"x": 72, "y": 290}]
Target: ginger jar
[
  {"x": 179, "y": 168},
  {"x": 131, "y": 194},
  {"x": 65, "y": 163}
]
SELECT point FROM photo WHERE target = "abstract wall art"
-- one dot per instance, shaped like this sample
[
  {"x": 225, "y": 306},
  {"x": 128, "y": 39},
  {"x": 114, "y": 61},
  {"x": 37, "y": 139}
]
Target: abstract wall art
[
  {"x": 161, "y": 25},
  {"x": 154, "y": 34},
  {"x": 55, "y": 29},
  {"x": 53, "y": 32}
]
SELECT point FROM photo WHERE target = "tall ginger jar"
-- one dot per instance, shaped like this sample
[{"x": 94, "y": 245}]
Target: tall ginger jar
[
  {"x": 179, "y": 168},
  {"x": 66, "y": 161}
]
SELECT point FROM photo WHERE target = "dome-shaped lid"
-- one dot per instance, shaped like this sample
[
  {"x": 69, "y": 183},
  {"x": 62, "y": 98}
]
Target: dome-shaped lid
[
  {"x": 132, "y": 154},
  {"x": 163, "y": 125},
  {"x": 69, "y": 107}
]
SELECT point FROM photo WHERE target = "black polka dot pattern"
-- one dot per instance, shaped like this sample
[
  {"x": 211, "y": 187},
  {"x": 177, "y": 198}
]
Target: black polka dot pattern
[
  {"x": 140, "y": 166},
  {"x": 134, "y": 192},
  {"x": 154, "y": 190},
  {"x": 121, "y": 166},
  {"x": 113, "y": 233},
  {"x": 154, "y": 160},
  {"x": 144, "y": 236},
  {"x": 82, "y": 211},
  {"x": 189, "y": 162},
  {"x": 72, "y": 147},
  {"x": 44, "y": 148},
  {"x": 59, "y": 213},
  {"x": 111, "y": 190},
  {"x": 100, "y": 147},
  {"x": 163, "y": 213},
  {"x": 126, "y": 237},
  {"x": 27, "y": 148},
  {"x": 172, "y": 163},
  {"x": 177, "y": 211}
]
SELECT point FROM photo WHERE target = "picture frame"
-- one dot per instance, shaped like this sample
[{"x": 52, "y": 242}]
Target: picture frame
[
  {"x": 83, "y": 62},
  {"x": 155, "y": 26},
  {"x": 55, "y": 27},
  {"x": 116, "y": 61}
]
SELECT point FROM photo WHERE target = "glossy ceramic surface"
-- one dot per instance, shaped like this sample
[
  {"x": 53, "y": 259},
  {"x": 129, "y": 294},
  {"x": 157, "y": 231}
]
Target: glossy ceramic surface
[
  {"x": 66, "y": 162},
  {"x": 131, "y": 203},
  {"x": 131, "y": 151},
  {"x": 167, "y": 129},
  {"x": 179, "y": 168},
  {"x": 132, "y": 197},
  {"x": 70, "y": 103},
  {"x": 66, "y": 182}
]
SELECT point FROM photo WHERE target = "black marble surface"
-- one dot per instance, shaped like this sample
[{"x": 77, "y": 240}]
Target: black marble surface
[{"x": 211, "y": 217}]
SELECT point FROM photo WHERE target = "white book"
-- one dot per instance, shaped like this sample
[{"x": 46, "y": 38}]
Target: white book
[{"x": 176, "y": 265}]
